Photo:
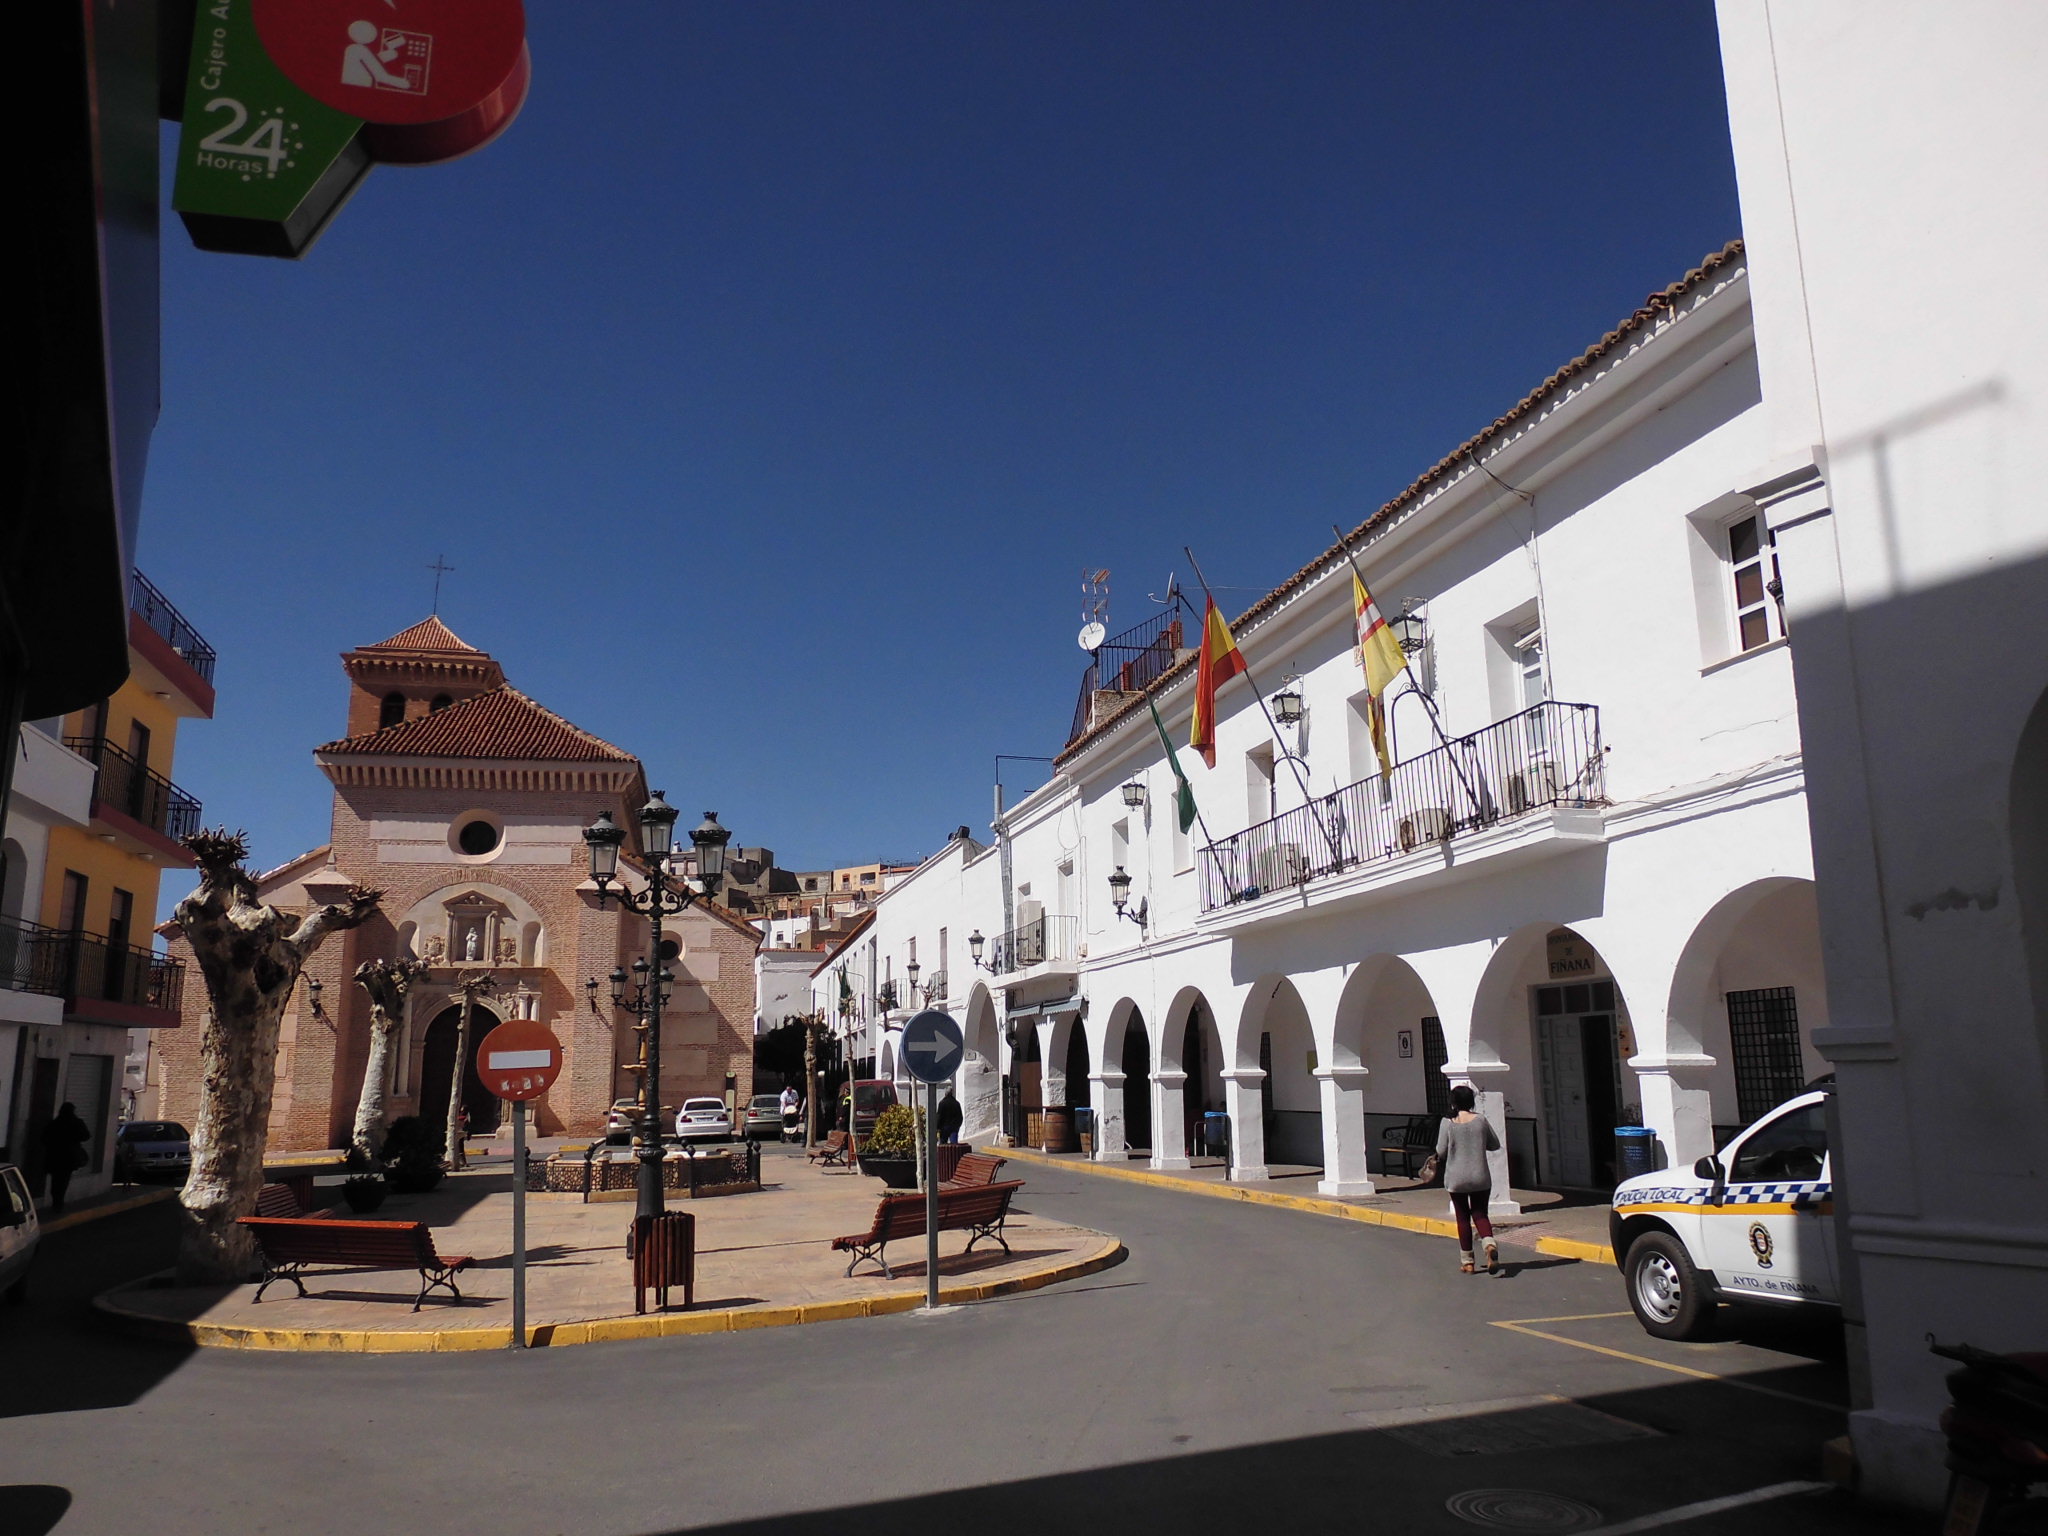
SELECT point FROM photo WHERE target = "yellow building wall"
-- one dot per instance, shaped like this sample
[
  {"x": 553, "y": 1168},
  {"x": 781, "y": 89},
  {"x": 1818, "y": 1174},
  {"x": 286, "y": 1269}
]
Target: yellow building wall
[{"x": 105, "y": 866}]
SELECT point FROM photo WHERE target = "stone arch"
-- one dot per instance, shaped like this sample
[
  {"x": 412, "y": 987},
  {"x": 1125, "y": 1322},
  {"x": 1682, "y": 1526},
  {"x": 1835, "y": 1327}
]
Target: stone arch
[
  {"x": 981, "y": 1092},
  {"x": 1388, "y": 1023},
  {"x": 1066, "y": 1061},
  {"x": 13, "y": 878},
  {"x": 437, "y": 1064},
  {"x": 1123, "y": 1120},
  {"x": 1556, "y": 1041},
  {"x": 885, "y": 1063},
  {"x": 1275, "y": 1037}
]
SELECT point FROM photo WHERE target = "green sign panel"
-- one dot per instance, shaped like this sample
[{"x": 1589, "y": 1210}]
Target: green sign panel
[{"x": 262, "y": 166}]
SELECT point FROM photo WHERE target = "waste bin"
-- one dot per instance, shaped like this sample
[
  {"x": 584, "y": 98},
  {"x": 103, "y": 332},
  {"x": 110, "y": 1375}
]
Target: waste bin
[{"x": 1635, "y": 1151}]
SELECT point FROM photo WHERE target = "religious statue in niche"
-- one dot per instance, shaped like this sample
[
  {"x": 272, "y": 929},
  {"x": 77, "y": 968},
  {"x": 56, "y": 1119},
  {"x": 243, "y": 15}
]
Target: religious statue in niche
[{"x": 472, "y": 946}]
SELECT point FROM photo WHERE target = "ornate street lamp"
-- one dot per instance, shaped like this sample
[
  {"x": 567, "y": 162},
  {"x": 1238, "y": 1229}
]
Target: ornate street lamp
[
  {"x": 1120, "y": 898},
  {"x": 911, "y": 971},
  {"x": 667, "y": 894},
  {"x": 1134, "y": 794},
  {"x": 1287, "y": 702},
  {"x": 1410, "y": 625},
  {"x": 974, "y": 947}
]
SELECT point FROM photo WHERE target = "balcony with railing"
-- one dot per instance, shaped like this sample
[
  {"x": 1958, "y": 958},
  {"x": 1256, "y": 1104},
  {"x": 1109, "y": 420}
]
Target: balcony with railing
[
  {"x": 1043, "y": 942},
  {"x": 1126, "y": 663},
  {"x": 161, "y": 616},
  {"x": 143, "y": 800},
  {"x": 1548, "y": 757},
  {"x": 32, "y": 957},
  {"x": 104, "y": 982}
]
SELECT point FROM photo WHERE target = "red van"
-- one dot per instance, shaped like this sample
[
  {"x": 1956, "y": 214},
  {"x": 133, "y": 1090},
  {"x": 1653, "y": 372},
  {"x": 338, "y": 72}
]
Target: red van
[{"x": 871, "y": 1095}]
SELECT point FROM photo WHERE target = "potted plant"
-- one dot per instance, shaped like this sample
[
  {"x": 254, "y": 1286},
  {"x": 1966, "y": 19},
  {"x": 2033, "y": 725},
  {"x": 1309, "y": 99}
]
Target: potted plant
[
  {"x": 412, "y": 1154},
  {"x": 890, "y": 1151},
  {"x": 364, "y": 1192}
]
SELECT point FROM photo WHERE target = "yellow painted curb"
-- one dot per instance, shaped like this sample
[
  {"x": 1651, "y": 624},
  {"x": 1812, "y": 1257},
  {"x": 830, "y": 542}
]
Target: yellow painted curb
[
  {"x": 111, "y": 1208},
  {"x": 1372, "y": 1216},
  {"x": 660, "y": 1325}
]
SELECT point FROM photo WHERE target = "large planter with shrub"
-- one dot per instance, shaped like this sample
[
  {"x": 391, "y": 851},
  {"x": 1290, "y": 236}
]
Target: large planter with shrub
[
  {"x": 890, "y": 1151},
  {"x": 412, "y": 1155},
  {"x": 364, "y": 1193},
  {"x": 895, "y": 1172}
]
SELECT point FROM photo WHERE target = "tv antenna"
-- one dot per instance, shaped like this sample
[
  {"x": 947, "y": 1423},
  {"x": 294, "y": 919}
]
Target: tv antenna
[{"x": 1094, "y": 608}]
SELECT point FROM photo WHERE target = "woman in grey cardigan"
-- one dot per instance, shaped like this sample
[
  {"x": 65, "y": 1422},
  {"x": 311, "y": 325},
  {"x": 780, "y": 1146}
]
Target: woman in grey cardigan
[{"x": 1462, "y": 1142}]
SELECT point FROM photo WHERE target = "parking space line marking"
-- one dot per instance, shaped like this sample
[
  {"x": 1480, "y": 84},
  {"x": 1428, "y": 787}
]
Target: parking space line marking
[
  {"x": 1708, "y": 1507},
  {"x": 1661, "y": 1365}
]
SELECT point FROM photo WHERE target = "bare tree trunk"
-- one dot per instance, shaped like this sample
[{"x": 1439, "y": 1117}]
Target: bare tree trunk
[
  {"x": 810, "y": 1082},
  {"x": 470, "y": 983},
  {"x": 387, "y": 982},
  {"x": 251, "y": 955}
]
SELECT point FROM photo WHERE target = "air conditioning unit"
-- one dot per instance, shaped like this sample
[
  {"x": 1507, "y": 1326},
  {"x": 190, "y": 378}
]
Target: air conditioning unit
[
  {"x": 1534, "y": 785},
  {"x": 1279, "y": 866},
  {"x": 1429, "y": 825}
]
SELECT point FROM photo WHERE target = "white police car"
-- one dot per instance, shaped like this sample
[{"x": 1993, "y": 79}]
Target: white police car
[{"x": 1755, "y": 1223}]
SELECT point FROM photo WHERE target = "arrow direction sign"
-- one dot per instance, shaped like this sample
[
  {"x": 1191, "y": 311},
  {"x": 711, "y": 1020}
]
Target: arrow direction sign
[{"x": 932, "y": 1046}]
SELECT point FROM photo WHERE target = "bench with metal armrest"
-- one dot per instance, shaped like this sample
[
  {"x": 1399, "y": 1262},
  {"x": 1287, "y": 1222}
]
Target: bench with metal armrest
[{"x": 978, "y": 1209}]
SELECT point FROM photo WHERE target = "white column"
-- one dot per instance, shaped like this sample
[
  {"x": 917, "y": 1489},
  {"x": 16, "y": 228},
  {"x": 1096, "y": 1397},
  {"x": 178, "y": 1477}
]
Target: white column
[
  {"x": 1489, "y": 1080},
  {"x": 1246, "y": 1103},
  {"x": 1677, "y": 1105},
  {"x": 1052, "y": 1075},
  {"x": 1111, "y": 1145},
  {"x": 1344, "y": 1165},
  {"x": 1169, "y": 1126}
]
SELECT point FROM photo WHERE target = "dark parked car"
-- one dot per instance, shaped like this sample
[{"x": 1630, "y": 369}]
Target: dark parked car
[
  {"x": 145, "y": 1147},
  {"x": 18, "y": 1233}
]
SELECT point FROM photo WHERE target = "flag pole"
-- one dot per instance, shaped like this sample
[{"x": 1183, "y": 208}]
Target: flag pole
[
  {"x": 1428, "y": 704},
  {"x": 1294, "y": 762}
]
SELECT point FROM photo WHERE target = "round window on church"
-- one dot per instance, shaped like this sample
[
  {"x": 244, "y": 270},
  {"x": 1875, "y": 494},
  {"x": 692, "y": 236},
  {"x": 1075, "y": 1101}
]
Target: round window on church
[{"x": 476, "y": 835}]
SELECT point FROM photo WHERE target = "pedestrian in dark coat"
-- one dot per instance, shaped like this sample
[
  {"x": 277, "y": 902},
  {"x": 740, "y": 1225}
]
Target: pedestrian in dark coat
[
  {"x": 64, "y": 1140},
  {"x": 1462, "y": 1142},
  {"x": 949, "y": 1118}
]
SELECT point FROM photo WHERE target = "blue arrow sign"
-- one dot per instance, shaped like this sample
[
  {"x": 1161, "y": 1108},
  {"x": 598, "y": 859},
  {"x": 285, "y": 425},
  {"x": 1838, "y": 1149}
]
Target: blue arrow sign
[{"x": 932, "y": 1046}]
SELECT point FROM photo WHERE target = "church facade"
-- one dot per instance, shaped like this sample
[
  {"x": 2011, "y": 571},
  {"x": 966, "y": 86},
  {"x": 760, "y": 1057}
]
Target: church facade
[{"x": 464, "y": 801}]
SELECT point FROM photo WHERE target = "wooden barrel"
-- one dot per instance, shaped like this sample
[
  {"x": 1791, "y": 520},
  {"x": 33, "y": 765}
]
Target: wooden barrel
[{"x": 1059, "y": 1129}]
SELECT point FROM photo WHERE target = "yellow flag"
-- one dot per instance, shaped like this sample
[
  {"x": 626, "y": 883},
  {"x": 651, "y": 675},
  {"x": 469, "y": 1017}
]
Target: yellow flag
[{"x": 1380, "y": 654}]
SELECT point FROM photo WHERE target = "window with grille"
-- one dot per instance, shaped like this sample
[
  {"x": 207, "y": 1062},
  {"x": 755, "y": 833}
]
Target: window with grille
[
  {"x": 1763, "y": 1029},
  {"x": 1435, "y": 1086}
]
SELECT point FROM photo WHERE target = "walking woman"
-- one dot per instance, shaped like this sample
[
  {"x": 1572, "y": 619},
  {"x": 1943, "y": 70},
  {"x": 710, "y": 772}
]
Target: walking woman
[{"x": 1462, "y": 1142}]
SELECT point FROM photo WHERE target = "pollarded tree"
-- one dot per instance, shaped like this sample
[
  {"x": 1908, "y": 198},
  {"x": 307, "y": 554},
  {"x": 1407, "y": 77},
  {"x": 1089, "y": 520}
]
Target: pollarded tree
[
  {"x": 387, "y": 982},
  {"x": 251, "y": 955}
]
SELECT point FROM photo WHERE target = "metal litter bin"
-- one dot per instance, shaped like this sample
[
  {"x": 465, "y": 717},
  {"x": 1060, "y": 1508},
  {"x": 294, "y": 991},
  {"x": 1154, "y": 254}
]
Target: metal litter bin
[{"x": 1635, "y": 1151}]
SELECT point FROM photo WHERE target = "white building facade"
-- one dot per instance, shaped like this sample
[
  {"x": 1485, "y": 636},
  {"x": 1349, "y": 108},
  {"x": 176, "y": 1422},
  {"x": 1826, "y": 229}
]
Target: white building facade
[
  {"x": 1589, "y": 894},
  {"x": 1903, "y": 344}
]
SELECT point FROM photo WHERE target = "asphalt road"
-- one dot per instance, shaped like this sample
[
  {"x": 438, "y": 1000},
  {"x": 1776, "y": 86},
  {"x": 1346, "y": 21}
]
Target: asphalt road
[{"x": 1244, "y": 1369}]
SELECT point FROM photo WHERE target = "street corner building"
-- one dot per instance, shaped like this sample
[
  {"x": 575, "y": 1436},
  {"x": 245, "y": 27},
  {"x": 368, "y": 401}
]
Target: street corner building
[{"x": 464, "y": 801}]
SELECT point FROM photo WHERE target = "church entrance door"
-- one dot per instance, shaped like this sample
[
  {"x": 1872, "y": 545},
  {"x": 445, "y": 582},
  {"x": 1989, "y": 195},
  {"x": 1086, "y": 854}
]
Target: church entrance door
[{"x": 437, "y": 1064}]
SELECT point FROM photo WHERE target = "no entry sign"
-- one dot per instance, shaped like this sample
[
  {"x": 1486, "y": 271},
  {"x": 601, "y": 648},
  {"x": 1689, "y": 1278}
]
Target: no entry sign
[{"x": 519, "y": 1060}]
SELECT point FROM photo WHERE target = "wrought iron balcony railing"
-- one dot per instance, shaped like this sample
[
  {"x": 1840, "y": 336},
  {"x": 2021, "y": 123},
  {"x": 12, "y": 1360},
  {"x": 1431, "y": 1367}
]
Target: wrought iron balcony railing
[
  {"x": 136, "y": 791},
  {"x": 1034, "y": 943},
  {"x": 32, "y": 958},
  {"x": 1548, "y": 755},
  {"x": 97, "y": 968},
  {"x": 1128, "y": 661},
  {"x": 158, "y": 612}
]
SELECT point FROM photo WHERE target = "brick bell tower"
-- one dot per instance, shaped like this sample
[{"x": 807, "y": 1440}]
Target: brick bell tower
[{"x": 415, "y": 672}]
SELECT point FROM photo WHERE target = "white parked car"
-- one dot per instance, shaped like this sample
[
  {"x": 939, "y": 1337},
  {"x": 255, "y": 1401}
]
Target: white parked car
[
  {"x": 18, "y": 1233},
  {"x": 703, "y": 1120},
  {"x": 1754, "y": 1223}
]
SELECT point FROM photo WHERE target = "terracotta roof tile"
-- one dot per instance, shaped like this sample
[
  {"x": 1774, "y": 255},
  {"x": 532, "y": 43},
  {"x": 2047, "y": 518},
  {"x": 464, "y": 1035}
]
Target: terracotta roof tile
[
  {"x": 430, "y": 634},
  {"x": 1656, "y": 307},
  {"x": 501, "y": 723}
]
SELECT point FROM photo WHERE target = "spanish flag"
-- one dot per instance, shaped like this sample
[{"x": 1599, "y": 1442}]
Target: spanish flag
[
  {"x": 1380, "y": 654},
  {"x": 1220, "y": 662}
]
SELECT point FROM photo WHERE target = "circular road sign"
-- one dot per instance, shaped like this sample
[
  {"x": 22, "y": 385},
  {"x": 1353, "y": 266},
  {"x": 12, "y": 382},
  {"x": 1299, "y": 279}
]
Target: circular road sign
[
  {"x": 932, "y": 1046},
  {"x": 519, "y": 1059}
]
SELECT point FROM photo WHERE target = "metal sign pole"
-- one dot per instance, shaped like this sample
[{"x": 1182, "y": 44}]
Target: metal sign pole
[
  {"x": 519, "y": 1223},
  {"x": 931, "y": 1196}
]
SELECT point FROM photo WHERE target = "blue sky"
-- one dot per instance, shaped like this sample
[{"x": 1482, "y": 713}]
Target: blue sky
[{"x": 771, "y": 381}]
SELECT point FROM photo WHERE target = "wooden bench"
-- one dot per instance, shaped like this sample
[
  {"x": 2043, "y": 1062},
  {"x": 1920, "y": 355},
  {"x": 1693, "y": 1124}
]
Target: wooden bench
[
  {"x": 835, "y": 1151},
  {"x": 979, "y": 1209},
  {"x": 279, "y": 1200},
  {"x": 289, "y": 1244},
  {"x": 974, "y": 1169},
  {"x": 1412, "y": 1142}
]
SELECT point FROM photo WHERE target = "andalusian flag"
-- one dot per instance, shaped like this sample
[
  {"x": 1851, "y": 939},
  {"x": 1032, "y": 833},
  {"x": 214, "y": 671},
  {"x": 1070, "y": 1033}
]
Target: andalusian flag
[
  {"x": 1221, "y": 661},
  {"x": 1184, "y": 792},
  {"x": 1380, "y": 654}
]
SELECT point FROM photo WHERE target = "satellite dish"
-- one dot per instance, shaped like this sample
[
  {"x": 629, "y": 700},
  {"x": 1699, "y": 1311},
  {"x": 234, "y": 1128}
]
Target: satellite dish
[{"x": 1092, "y": 636}]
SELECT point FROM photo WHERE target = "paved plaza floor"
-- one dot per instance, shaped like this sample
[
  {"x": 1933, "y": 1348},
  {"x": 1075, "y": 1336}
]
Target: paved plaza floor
[{"x": 763, "y": 1258}]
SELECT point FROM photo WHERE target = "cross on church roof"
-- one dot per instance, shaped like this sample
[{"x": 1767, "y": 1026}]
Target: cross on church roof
[{"x": 439, "y": 571}]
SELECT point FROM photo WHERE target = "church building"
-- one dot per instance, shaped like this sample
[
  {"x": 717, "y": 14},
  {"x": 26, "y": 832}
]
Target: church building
[{"x": 464, "y": 801}]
